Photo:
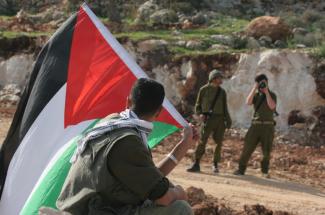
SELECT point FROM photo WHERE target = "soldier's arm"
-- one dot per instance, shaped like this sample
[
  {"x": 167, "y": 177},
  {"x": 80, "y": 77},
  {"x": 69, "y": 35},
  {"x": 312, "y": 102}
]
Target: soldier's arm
[
  {"x": 227, "y": 115},
  {"x": 250, "y": 97},
  {"x": 271, "y": 102}
]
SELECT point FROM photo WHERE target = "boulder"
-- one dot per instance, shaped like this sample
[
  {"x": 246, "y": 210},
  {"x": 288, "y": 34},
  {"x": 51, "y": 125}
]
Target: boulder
[
  {"x": 16, "y": 70},
  {"x": 252, "y": 43},
  {"x": 280, "y": 44},
  {"x": 163, "y": 17},
  {"x": 199, "y": 19},
  {"x": 10, "y": 95},
  {"x": 223, "y": 39},
  {"x": 265, "y": 41},
  {"x": 146, "y": 10},
  {"x": 316, "y": 127},
  {"x": 194, "y": 44},
  {"x": 319, "y": 74},
  {"x": 273, "y": 27}
]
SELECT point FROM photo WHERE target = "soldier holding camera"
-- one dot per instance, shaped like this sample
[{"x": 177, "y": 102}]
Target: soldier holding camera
[
  {"x": 262, "y": 127},
  {"x": 211, "y": 106}
]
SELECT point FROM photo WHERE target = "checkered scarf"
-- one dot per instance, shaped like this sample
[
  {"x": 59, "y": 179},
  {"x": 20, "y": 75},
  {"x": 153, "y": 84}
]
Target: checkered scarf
[{"x": 128, "y": 120}]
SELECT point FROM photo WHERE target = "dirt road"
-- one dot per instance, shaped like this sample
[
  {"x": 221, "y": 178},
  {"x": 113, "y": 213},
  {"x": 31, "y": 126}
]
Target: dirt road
[{"x": 276, "y": 193}]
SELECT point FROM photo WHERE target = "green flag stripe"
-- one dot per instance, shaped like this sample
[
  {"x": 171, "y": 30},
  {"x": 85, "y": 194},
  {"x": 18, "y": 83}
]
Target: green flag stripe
[{"x": 49, "y": 189}]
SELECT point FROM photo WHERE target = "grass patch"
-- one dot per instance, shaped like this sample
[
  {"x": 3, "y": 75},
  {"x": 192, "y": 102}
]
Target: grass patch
[
  {"x": 319, "y": 52},
  {"x": 228, "y": 25},
  {"x": 6, "y": 18},
  {"x": 13, "y": 34},
  {"x": 145, "y": 35}
]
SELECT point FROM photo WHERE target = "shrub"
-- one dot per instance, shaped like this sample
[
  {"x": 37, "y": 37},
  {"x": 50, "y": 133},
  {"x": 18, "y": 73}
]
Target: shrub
[
  {"x": 308, "y": 40},
  {"x": 293, "y": 20},
  {"x": 319, "y": 52},
  {"x": 310, "y": 16}
]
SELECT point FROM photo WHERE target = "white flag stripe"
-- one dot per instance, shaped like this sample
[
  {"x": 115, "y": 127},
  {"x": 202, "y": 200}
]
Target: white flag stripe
[{"x": 44, "y": 138}]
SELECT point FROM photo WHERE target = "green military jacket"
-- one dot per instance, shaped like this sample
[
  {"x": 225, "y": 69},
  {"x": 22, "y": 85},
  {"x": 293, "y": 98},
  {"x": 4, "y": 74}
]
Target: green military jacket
[
  {"x": 264, "y": 113},
  {"x": 91, "y": 187},
  {"x": 205, "y": 98}
]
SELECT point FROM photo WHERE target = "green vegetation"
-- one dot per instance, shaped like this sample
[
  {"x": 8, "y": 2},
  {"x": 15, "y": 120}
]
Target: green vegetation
[
  {"x": 319, "y": 52},
  {"x": 13, "y": 34},
  {"x": 5, "y": 18}
]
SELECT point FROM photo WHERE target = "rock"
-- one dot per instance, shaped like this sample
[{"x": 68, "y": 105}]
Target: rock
[
  {"x": 252, "y": 43},
  {"x": 273, "y": 27},
  {"x": 163, "y": 17},
  {"x": 299, "y": 31},
  {"x": 199, "y": 19},
  {"x": 16, "y": 70},
  {"x": 290, "y": 77},
  {"x": 181, "y": 43},
  {"x": 317, "y": 127},
  {"x": 301, "y": 46},
  {"x": 295, "y": 116},
  {"x": 195, "y": 195},
  {"x": 176, "y": 33},
  {"x": 146, "y": 10},
  {"x": 265, "y": 41},
  {"x": 257, "y": 209},
  {"x": 187, "y": 24},
  {"x": 52, "y": 13},
  {"x": 10, "y": 95},
  {"x": 219, "y": 47},
  {"x": 222, "y": 5},
  {"x": 151, "y": 45},
  {"x": 319, "y": 74},
  {"x": 194, "y": 44},
  {"x": 205, "y": 208},
  {"x": 223, "y": 39},
  {"x": 280, "y": 44}
]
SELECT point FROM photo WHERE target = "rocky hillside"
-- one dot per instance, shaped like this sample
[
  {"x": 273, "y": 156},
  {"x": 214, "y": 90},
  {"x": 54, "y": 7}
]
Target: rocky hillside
[{"x": 179, "y": 42}]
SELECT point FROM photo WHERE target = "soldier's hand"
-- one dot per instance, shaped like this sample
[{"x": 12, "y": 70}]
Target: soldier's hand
[
  {"x": 256, "y": 85},
  {"x": 190, "y": 135}
]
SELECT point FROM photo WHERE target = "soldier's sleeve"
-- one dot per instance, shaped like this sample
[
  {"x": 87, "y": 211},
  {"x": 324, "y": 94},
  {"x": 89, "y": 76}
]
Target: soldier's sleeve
[
  {"x": 274, "y": 97},
  {"x": 227, "y": 115},
  {"x": 198, "y": 103},
  {"x": 255, "y": 99},
  {"x": 131, "y": 163}
]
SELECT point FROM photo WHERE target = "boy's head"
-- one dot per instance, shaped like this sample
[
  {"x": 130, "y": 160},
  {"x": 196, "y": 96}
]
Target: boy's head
[{"x": 147, "y": 97}]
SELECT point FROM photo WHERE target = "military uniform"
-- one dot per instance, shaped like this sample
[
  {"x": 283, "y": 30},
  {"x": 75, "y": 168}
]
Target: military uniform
[
  {"x": 216, "y": 123},
  {"x": 261, "y": 131},
  {"x": 116, "y": 175}
]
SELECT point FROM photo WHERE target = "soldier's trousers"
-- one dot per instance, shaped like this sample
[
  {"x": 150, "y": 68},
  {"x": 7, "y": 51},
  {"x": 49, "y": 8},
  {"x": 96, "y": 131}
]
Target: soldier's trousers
[
  {"x": 215, "y": 125},
  {"x": 257, "y": 134}
]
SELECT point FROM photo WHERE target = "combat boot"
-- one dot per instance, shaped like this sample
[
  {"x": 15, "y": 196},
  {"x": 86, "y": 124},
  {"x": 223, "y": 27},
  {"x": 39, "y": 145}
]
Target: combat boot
[
  {"x": 195, "y": 167},
  {"x": 215, "y": 168},
  {"x": 238, "y": 172}
]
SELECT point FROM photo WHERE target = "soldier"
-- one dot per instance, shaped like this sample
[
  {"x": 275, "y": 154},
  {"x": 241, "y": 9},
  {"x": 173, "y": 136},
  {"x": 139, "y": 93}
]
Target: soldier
[
  {"x": 262, "y": 127},
  {"x": 211, "y": 106}
]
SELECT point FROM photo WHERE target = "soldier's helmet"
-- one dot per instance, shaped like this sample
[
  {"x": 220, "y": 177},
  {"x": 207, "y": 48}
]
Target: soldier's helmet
[{"x": 215, "y": 74}]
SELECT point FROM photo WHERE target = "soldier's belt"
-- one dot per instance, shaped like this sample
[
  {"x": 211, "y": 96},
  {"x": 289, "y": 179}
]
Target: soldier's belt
[{"x": 256, "y": 122}]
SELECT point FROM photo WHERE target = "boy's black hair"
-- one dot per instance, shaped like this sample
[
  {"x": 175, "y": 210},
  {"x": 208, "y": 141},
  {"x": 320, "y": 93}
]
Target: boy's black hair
[
  {"x": 147, "y": 96},
  {"x": 260, "y": 77}
]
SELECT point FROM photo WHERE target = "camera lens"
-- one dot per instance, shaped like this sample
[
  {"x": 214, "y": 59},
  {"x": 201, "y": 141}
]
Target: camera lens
[{"x": 262, "y": 85}]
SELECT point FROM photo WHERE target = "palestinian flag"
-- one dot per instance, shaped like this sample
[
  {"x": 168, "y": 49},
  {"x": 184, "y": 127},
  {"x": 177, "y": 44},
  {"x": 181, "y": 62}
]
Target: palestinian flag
[{"x": 81, "y": 75}]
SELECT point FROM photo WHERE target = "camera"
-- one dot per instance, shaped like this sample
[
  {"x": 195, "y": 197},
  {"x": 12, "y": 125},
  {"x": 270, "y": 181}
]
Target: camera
[{"x": 261, "y": 85}]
